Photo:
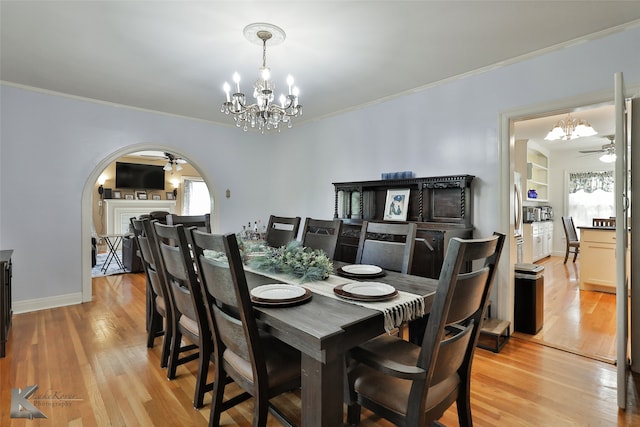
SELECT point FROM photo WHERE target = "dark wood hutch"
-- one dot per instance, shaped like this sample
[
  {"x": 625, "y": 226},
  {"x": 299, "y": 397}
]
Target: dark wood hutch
[{"x": 440, "y": 206}]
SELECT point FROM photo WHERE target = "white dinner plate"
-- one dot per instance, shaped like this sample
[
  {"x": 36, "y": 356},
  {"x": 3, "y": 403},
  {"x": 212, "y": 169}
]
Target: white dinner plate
[
  {"x": 278, "y": 292},
  {"x": 361, "y": 269},
  {"x": 369, "y": 289}
]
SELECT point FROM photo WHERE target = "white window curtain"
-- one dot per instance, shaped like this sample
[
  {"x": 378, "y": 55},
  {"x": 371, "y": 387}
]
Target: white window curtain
[
  {"x": 195, "y": 197},
  {"x": 590, "y": 196}
]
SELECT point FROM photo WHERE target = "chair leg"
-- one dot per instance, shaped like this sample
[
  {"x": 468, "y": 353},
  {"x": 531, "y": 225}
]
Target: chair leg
[
  {"x": 353, "y": 413},
  {"x": 218, "y": 393},
  {"x": 260, "y": 411},
  {"x": 174, "y": 354},
  {"x": 464, "y": 407},
  {"x": 166, "y": 344},
  {"x": 203, "y": 370},
  {"x": 155, "y": 327},
  {"x": 575, "y": 255},
  {"x": 566, "y": 255}
]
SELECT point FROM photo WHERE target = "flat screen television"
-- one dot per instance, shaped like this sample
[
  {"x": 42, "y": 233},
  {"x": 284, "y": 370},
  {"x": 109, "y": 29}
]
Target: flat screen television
[{"x": 143, "y": 177}]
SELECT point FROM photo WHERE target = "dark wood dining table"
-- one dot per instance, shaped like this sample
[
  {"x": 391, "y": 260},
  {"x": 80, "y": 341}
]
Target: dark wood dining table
[{"x": 324, "y": 329}]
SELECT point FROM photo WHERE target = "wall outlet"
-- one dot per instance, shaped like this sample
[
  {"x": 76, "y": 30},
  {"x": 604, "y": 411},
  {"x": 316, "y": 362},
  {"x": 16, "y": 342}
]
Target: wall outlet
[{"x": 99, "y": 203}]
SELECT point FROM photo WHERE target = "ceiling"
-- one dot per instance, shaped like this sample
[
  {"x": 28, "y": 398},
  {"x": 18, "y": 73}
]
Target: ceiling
[{"x": 174, "y": 56}]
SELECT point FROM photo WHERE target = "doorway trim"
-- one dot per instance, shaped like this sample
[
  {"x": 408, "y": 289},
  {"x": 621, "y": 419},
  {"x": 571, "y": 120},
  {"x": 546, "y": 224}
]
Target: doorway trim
[{"x": 87, "y": 200}]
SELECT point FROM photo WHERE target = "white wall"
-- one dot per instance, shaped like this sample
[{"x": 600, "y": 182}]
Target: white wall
[{"x": 448, "y": 129}]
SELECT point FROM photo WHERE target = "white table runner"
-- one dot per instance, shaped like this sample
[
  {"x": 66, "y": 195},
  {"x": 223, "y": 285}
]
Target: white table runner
[{"x": 403, "y": 308}]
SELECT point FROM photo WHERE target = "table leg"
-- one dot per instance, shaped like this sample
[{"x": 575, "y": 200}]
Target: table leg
[{"x": 322, "y": 392}]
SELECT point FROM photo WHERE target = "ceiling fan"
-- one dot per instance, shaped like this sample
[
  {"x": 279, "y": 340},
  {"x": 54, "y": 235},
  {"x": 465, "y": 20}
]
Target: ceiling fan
[
  {"x": 172, "y": 159},
  {"x": 609, "y": 150}
]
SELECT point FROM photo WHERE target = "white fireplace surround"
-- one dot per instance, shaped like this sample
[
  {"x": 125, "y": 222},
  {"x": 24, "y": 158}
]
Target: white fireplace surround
[{"x": 119, "y": 211}]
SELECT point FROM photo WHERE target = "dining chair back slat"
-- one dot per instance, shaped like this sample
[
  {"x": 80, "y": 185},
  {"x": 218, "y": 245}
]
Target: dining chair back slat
[
  {"x": 321, "y": 234},
  {"x": 202, "y": 222},
  {"x": 387, "y": 245},
  {"x": 282, "y": 230}
]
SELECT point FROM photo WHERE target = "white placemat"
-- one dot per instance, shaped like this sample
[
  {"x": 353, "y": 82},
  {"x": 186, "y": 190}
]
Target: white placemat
[{"x": 403, "y": 308}]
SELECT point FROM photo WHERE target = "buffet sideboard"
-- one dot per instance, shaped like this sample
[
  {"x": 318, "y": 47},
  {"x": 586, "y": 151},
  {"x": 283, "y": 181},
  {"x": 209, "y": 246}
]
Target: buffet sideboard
[{"x": 441, "y": 207}]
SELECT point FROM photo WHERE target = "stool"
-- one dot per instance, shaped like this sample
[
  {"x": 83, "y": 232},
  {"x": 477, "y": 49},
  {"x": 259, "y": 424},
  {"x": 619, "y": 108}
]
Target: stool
[{"x": 494, "y": 334}]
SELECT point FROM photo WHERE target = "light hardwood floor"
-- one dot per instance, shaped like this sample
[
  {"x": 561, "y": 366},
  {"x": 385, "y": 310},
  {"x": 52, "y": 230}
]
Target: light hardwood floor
[
  {"x": 581, "y": 322},
  {"x": 92, "y": 368}
]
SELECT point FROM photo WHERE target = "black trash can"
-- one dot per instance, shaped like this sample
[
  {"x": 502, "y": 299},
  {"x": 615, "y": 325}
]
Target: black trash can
[{"x": 529, "y": 298}]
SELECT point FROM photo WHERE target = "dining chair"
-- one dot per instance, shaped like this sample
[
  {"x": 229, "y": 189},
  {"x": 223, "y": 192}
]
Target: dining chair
[
  {"x": 604, "y": 222},
  {"x": 282, "y": 230},
  {"x": 202, "y": 222},
  {"x": 321, "y": 234},
  {"x": 258, "y": 363},
  {"x": 387, "y": 245},
  {"x": 571, "y": 237},
  {"x": 158, "y": 304},
  {"x": 190, "y": 313},
  {"x": 413, "y": 385}
]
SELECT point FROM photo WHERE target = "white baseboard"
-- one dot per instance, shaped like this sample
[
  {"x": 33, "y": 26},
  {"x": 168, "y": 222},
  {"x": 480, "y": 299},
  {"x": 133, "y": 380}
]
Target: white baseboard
[{"x": 45, "y": 303}]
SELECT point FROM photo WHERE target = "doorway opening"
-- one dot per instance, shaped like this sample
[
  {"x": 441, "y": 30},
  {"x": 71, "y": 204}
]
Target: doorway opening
[
  {"x": 90, "y": 197},
  {"x": 577, "y": 321}
]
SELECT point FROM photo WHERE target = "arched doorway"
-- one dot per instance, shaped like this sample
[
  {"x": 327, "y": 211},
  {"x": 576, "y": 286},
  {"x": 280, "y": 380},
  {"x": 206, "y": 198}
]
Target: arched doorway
[{"x": 88, "y": 198}]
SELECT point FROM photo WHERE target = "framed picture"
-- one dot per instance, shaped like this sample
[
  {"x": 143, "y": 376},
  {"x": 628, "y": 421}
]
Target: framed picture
[
  {"x": 395, "y": 207},
  {"x": 117, "y": 195},
  {"x": 170, "y": 195},
  {"x": 141, "y": 195},
  {"x": 156, "y": 197},
  {"x": 128, "y": 196}
]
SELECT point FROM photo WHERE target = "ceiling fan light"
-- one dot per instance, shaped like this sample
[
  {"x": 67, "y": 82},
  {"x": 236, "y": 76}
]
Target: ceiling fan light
[
  {"x": 608, "y": 158},
  {"x": 167, "y": 167},
  {"x": 178, "y": 167}
]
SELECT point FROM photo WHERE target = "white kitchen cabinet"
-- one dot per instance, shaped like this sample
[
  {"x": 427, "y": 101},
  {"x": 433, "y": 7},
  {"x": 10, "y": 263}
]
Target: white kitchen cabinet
[
  {"x": 537, "y": 241},
  {"x": 598, "y": 260}
]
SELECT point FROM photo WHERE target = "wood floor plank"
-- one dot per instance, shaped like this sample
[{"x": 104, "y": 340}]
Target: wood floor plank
[{"x": 96, "y": 353}]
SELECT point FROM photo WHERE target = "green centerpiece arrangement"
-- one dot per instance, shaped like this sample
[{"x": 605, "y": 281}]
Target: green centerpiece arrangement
[{"x": 306, "y": 263}]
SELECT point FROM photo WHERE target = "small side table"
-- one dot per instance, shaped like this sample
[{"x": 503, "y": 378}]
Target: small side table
[
  {"x": 494, "y": 334},
  {"x": 113, "y": 242}
]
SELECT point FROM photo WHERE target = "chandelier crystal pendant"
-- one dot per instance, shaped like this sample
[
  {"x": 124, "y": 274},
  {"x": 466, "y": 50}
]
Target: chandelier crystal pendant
[
  {"x": 264, "y": 114},
  {"x": 570, "y": 128}
]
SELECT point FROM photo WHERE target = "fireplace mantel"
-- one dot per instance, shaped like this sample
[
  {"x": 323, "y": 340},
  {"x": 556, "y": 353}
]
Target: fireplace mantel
[{"x": 117, "y": 212}]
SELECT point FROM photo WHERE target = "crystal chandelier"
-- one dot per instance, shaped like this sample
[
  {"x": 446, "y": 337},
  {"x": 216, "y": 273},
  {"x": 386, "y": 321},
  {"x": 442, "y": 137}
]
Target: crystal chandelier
[
  {"x": 264, "y": 114},
  {"x": 570, "y": 128}
]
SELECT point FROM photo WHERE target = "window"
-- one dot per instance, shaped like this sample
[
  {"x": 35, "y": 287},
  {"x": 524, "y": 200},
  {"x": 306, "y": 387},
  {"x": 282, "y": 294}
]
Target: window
[
  {"x": 195, "y": 198},
  {"x": 590, "y": 196}
]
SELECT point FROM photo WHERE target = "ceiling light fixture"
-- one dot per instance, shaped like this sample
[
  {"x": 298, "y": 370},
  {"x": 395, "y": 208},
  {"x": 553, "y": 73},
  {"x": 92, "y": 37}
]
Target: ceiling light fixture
[
  {"x": 264, "y": 114},
  {"x": 570, "y": 128},
  {"x": 173, "y": 160},
  {"x": 608, "y": 157}
]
